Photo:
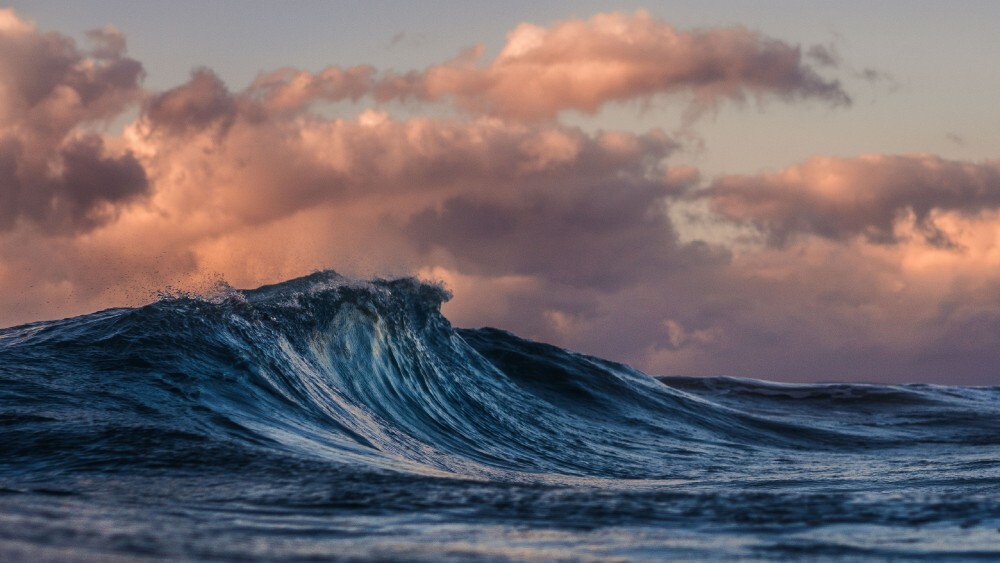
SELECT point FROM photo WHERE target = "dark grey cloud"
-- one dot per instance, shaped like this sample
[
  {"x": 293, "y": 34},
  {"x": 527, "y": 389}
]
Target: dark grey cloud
[
  {"x": 604, "y": 233},
  {"x": 824, "y": 55},
  {"x": 82, "y": 193},
  {"x": 202, "y": 101},
  {"x": 52, "y": 172},
  {"x": 108, "y": 43}
]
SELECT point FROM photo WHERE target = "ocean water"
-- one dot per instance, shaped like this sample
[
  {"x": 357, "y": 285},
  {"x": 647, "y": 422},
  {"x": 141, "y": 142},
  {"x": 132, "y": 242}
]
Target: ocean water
[{"x": 328, "y": 418}]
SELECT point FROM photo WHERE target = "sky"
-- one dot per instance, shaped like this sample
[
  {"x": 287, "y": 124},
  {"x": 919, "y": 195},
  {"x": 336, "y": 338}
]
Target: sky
[{"x": 780, "y": 190}]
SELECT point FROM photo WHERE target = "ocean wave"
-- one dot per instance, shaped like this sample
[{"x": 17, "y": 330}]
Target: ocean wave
[
  {"x": 370, "y": 372},
  {"x": 331, "y": 417}
]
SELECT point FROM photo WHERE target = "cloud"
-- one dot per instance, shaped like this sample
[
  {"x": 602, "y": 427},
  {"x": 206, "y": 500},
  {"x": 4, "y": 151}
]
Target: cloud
[
  {"x": 54, "y": 172},
  {"x": 868, "y": 196},
  {"x": 604, "y": 231},
  {"x": 263, "y": 163},
  {"x": 81, "y": 195},
  {"x": 289, "y": 89},
  {"x": 496, "y": 197},
  {"x": 824, "y": 55},
  {"x": 202, "y": 101},
  {"x": 108, "y": 42},
  {"x": 583, "y": 65},
  {"x": 268, "y": 197}
]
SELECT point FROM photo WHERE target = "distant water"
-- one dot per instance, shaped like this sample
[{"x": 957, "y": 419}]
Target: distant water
[{"x": 326, "y": 418}]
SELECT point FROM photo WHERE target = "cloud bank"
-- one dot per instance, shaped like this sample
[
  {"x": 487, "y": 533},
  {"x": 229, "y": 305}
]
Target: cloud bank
[{"x": 880, "y": 267}]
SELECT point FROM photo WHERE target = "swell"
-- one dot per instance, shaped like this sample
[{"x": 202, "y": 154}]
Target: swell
[{"x": 370, "y": 373}]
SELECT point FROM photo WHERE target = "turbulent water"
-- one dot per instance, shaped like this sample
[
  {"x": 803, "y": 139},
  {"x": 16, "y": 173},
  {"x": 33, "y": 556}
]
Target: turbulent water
[{"x": 325, "y": 418}]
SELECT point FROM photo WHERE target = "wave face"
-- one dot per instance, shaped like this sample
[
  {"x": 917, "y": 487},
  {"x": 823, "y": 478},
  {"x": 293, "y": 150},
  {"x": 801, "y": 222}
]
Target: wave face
[{"x": 329, "y": 417}]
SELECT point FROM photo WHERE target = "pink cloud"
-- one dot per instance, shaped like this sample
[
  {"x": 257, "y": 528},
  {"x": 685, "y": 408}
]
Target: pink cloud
[
  {"x": 289, "y": 89},
  {"x": 580, "y": 65},
  {"x": 866, "y": 196},
  {"x": 583, "y": 64}
]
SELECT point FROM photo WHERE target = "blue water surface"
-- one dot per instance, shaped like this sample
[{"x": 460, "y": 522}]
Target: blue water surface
[{"x": 329, "y": 418}]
